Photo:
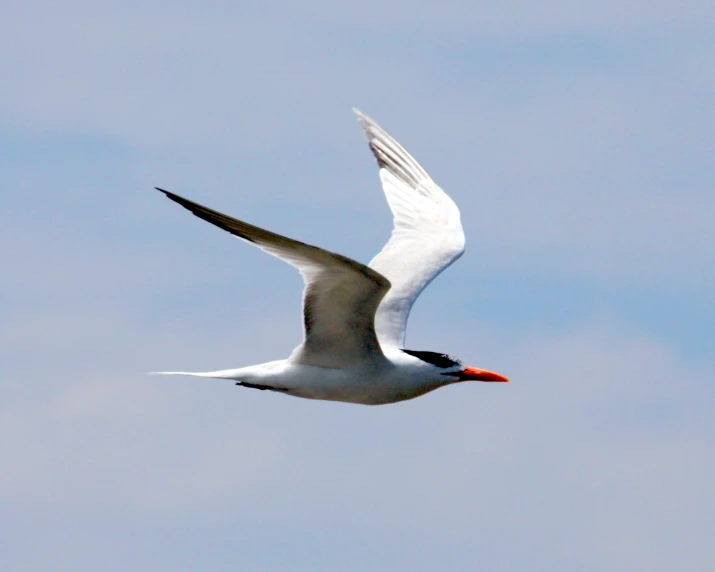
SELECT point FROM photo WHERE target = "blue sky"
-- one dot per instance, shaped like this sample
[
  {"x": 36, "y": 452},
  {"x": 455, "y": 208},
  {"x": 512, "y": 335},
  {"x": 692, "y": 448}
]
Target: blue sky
[{"x": 577, "y": 140}]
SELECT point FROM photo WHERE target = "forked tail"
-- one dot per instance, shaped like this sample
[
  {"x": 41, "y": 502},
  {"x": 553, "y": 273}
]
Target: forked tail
[{"x": 225, "y": 374}]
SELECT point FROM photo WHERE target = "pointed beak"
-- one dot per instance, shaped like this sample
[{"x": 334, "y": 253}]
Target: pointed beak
[{"x": 474, "y": 374}]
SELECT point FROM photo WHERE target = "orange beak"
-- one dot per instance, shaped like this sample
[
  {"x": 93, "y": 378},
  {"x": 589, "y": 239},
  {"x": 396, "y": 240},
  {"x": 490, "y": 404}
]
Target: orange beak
[{"x": 474, "y": 374}]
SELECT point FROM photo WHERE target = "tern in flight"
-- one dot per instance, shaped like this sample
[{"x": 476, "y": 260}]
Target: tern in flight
[{"x": 355, "y": 315}]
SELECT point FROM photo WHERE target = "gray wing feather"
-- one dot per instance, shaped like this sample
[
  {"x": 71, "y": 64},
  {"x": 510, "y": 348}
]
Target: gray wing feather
[{"x": 340, "y": 298}]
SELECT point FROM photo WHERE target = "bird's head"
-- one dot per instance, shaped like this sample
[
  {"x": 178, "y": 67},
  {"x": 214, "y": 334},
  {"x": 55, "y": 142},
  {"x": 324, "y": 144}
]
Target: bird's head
[{"x": 454, "y": 368}]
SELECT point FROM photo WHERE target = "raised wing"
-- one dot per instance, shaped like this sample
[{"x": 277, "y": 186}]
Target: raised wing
[
  {"x": 339, "y": 300},
  {"x": 427, "y": 235}
]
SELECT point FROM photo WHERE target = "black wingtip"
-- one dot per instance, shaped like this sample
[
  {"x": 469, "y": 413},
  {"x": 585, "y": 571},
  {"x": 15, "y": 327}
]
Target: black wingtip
[{"x": 170, "y": 195}]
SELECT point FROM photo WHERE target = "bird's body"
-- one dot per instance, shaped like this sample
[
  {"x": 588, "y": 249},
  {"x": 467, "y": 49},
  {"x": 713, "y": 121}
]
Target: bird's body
[
  {"x": 396, "y": 378},
  {"x": 355, "y": 315}
]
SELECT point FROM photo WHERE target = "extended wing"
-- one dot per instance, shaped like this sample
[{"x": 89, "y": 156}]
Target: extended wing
[
  {"x": 339, "y": 300},
  {"x": 427, "y": 235}
]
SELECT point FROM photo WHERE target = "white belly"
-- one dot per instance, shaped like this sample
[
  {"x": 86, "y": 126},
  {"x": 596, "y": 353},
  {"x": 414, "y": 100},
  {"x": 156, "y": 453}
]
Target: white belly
[{"x": 367, "y": 386}]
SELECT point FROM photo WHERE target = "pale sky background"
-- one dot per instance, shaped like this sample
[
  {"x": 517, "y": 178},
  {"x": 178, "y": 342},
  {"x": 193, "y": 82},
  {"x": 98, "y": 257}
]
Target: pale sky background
[{"x": 577, "y": 139}]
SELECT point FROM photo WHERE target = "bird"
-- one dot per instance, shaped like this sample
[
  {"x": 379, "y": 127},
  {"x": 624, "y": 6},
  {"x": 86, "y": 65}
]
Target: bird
[{"x": 355, "y": 315}]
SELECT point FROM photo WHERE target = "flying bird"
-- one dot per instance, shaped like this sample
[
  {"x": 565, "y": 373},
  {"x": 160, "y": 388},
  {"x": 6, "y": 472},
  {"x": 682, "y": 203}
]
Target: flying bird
[{"x": 354, "y": 315}]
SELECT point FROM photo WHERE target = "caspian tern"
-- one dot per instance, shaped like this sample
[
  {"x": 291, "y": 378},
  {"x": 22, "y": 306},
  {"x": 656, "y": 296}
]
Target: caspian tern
[{"x": 355, "y": 315}]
